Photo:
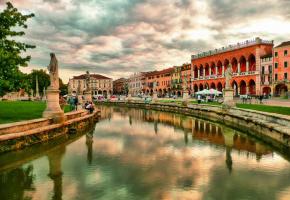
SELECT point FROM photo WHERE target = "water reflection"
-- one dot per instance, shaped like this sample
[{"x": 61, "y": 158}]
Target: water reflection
[
  {"x": 14, "y": 183},
  {"x": 141, "y": 154}
]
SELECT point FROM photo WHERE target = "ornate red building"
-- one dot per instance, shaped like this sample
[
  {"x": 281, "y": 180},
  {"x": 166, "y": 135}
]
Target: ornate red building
[{"x": 207, "y": 68}]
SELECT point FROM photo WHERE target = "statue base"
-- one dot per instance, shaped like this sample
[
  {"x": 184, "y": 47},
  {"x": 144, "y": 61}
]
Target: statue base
[
  {"x": 154, "y": 98},
  {"x": 185, "y": 95},
  {"x": 229, "y": 98},
  {"x": 53, "y": 109},
  {"x": 88, "y": 96}
]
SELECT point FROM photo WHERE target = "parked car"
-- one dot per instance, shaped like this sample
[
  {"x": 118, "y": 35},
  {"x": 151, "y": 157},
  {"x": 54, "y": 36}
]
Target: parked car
[
  {"x": 113, "y": 98},
  {"x": 99, "y": 97}
]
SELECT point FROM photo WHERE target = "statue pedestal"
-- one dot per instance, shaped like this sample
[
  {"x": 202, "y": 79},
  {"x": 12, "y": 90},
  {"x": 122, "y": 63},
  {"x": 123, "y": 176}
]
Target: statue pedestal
[
  {"x": 185, "y": 95},
  {"x": 154, "y": 98},
  {"x": 53, "y": 109},
  {"x": 229, "y": 97},
  {"x": 88, "y": 96}
]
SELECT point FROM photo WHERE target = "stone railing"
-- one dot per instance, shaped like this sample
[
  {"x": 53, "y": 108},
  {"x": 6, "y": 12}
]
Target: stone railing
[{"x": 17, "y": 135}]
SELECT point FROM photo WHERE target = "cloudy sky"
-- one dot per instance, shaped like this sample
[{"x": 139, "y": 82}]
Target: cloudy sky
[{"x": 119, "y": 37}]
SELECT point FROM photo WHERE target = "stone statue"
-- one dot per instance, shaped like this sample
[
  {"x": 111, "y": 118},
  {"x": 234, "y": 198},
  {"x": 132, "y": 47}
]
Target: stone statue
[
  {"x": 88, "y": 81},
  {"x": 53, "y": 109},
  {"x": 53, "y": 72},
  {"x": 228, "y": 76}
]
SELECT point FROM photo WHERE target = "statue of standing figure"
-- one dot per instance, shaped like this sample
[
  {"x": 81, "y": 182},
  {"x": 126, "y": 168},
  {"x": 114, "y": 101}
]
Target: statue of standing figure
[
  {"x": 53, "y": 72},
  {"x": 228, "y": 76},
  {"x": 88, "y": 88}
]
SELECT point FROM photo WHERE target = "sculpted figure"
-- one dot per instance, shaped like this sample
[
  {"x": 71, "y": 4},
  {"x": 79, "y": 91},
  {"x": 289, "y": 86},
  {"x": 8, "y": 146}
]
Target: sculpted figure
[
  {"x": 228, "y": 76},
  {"x": 53, "y": 72}
]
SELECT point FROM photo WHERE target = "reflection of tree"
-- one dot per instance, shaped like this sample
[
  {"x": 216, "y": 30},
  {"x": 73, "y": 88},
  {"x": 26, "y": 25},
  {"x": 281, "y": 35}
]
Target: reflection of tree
[{"x": 14, "y": 183}]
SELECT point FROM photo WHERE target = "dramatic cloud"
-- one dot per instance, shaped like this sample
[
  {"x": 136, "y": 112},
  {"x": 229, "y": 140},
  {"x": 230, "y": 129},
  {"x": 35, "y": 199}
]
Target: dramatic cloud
[{"x": 118, "y": 37}]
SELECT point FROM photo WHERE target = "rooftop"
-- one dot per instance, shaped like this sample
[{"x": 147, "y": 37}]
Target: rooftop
[
  {"x": 283, "y": 44},
  {"x": 96, "y": 76}
]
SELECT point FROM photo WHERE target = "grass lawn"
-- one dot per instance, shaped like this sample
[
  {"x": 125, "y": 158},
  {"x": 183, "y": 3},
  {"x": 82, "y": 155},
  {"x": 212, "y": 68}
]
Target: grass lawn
[
  {"x": 265, "y": 108},
  {"x": 13, "y": 111}
]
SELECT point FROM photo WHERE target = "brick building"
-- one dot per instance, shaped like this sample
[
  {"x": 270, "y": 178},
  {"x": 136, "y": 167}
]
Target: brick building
[
  {"x": 207, "y": 68},
  {"x": 281, "y": 59},
  {"x": 120, "y": 86}
]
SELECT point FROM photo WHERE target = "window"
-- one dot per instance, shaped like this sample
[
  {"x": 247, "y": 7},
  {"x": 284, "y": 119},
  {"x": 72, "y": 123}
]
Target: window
[
  {"x": 270, "y": 69},
  {"x": 276, "y": 65},
  {"x": 276, "y": 54},
  {"x": 263, "y": 70},
  {"x": 285, "y": 64},
  {"x": 285, "y": 76},
  {"x": 276, "y": 77},
  {"x": 285, "y": 52}
]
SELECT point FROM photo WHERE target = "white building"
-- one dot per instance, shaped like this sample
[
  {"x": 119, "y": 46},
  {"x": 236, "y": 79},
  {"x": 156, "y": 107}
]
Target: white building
[
  {"x": 99, "y": 84},
  {"x": 136, "y": 83}
]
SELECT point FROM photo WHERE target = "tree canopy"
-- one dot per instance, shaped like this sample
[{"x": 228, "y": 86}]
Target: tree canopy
[{"x": 11, "y": 51}]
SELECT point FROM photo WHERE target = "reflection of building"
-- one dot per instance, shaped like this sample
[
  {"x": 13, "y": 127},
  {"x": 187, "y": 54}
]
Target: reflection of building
[
  {"x": 282, "y": 69},
  {"x": 120, "y": 86},
  {"x": 208, "y": 68},
  {"x": 99, "y": 84},
  {"x": 201, "y": 130}
]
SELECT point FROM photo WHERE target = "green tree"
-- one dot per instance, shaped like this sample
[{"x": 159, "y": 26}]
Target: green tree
[
  {"x": 43, "y": 80},
  {"x": 62, "y": 87},
  {"x": 11, "y": 23}
]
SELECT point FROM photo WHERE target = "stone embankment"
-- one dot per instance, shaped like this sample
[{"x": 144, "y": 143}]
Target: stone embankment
[
  {"x": 18, "y": 135},
  {"x": 271, "y": 128}
]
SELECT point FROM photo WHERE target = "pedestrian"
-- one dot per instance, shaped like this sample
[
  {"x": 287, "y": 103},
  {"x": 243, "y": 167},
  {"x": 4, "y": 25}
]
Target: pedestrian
[
  {"x": 71, "y": 103},
  {"x": 76, "y": 102},
  {"x": 90, "y": 107}
]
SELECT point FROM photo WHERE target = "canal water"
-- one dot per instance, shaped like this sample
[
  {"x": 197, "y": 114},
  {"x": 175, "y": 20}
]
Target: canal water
[{"x": 140, "y": 154}]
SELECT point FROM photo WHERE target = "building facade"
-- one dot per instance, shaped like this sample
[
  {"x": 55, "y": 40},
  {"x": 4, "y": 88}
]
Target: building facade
[
  {"x": 208, "y": 68},
  {"x": 281, "y": 59},
  {"x": 120, "y": 86},
  {"x": 136, "y": 83},
  {"x": 176, "y": 81},
  {"x": 267, "y": 74},
  {"x": 99, "y": 84},
  {"x": 186, "y": 77},
  {"x": 162, "y": 81}
]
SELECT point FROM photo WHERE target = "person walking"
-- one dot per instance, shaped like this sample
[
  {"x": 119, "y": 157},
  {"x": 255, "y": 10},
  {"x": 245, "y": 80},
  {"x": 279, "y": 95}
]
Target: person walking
[{"x": 71, "y": 102}]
